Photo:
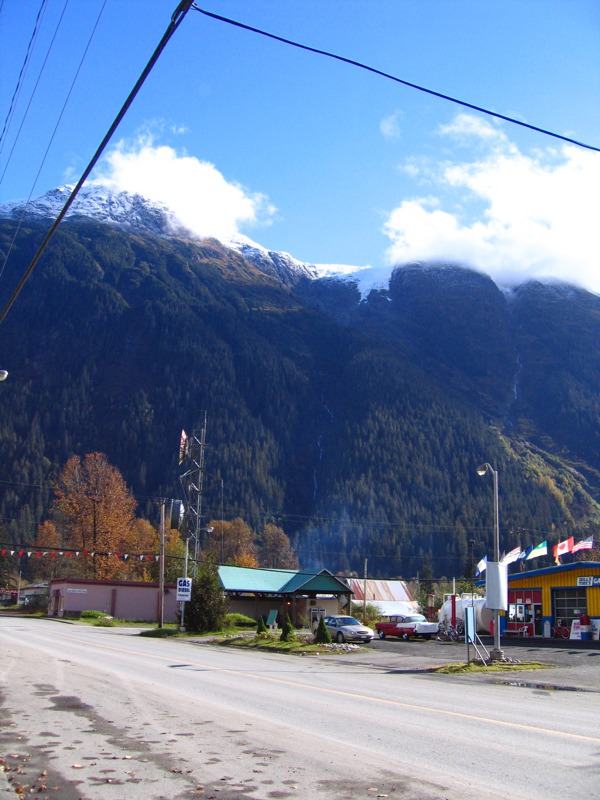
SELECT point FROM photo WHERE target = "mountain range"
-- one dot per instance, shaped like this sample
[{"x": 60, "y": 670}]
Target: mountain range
[{"x": 353, "y": 418}]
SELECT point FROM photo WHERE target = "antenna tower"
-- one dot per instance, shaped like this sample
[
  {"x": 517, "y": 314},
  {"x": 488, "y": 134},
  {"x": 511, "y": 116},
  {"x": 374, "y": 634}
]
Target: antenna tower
[{"x": 192, "y": 480}]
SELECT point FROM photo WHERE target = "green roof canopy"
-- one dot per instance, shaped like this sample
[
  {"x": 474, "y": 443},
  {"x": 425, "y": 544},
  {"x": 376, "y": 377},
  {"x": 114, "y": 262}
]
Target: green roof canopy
[{"x": 280, "y": 581}]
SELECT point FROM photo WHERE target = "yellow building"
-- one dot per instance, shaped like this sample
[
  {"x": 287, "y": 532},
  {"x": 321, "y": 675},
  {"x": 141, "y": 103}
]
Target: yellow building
[{"x": 546, "y": 602}]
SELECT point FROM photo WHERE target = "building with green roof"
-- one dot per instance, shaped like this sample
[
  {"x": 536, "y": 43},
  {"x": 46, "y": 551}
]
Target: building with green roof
[{"x": 303, "y": 594}]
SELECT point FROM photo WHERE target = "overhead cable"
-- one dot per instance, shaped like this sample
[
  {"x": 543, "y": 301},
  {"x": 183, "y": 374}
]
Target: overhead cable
[
  {"x": 387, "y": 75},
  {"x": 176, "y": 19},
  {"x": 56, "y": 126},
  {"x": 35, "y": 90},
  {"x": 24, "y": 66}
]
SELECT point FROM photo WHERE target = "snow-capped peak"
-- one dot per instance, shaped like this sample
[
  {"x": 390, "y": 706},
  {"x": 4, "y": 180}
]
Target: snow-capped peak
[{"x": 102, "y": 203}]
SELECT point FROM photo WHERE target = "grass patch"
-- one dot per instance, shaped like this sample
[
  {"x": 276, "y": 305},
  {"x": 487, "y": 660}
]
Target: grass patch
[
  {"x": 160, "y": 633},
  {"x": 495, "y": 666},
  {"x": 102, "y": 619},
  {"x": 297, "y": 646}
]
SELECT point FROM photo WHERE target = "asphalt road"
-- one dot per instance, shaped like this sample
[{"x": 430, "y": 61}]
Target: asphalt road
[{"x": 92, "y": 713}]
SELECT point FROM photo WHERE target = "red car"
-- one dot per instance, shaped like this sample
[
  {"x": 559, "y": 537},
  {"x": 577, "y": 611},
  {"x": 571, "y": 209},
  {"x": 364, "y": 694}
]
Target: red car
[{"x": 405, "y": 627}]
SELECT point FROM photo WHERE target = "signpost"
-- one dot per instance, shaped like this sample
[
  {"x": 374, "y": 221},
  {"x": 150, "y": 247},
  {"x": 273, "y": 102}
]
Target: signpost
[{"x": 184, "y": 593}]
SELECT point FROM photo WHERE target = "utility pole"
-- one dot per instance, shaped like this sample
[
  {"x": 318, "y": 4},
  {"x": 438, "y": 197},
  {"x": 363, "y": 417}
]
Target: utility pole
[
  {"x": 364, "y": 619},
  {"x": 161, "y": 568}
]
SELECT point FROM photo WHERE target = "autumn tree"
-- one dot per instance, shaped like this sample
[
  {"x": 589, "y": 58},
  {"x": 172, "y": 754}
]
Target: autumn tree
[
  {"x": 49, "y": 564},
  {"x": 143, "y": 565},
  {"x": 96, "y": 511},
  {"x": 275, "y": 549},
  {"x": 232, "y": 543}
]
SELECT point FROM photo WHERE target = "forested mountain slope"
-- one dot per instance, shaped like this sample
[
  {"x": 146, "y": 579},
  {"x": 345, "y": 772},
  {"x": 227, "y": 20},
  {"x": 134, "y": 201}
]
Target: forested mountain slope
[{"x": 355, "y": 424}]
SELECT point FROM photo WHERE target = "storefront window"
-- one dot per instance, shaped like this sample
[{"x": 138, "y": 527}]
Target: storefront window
[{"x": 569, "y": 604}]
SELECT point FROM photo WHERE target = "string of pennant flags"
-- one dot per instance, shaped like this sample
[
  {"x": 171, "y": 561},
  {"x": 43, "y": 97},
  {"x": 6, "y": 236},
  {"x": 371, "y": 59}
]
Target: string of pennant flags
[
  {"x": 79, "y": 553},
  {"x": 560, "y": 549}
]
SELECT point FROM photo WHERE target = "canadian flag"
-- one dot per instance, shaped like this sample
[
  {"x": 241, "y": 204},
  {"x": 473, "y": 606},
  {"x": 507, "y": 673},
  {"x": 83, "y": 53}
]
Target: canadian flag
[{"x": 563, "y": 547}]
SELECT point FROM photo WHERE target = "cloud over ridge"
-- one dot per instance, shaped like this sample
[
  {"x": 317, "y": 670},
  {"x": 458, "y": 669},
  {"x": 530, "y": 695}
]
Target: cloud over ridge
[
  {"x": 536, "y": 215},
  {"x": 199, "y": 195}
]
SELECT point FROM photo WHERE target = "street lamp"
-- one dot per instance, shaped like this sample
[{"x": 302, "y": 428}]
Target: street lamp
[
  {"x": 493, "y": 569},
  {"x": 3, "y": 374},
  {"x": 196, "y": 538}
]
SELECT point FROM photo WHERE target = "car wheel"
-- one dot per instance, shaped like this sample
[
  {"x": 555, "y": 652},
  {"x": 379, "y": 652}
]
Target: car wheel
[
  {"x": 340, "y": 638},
  {"x": 405, "y": 637},
  {"x": 381, "y": 634}
]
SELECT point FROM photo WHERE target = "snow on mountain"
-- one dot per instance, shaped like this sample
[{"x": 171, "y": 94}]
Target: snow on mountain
[
  {"x": 263, "y": 258},
  {"x": 132, "y": 211},
  {"x": 101, "y": 203}
]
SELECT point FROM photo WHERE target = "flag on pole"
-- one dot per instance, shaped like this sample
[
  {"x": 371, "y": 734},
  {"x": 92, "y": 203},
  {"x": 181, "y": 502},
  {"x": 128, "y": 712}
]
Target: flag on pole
[
  {"x": 524, "y": 554},
  {"x": 585, "y": 544},
  {"x": 538, "y": 550},
  {"x": 482, "y": 566},
  {"x": 508, "y": 558},
  {"x": 563, "y": 547}
]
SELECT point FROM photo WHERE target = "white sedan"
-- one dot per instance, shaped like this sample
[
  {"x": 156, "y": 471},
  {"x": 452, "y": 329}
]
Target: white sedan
[{"x": 347, "y": 629}]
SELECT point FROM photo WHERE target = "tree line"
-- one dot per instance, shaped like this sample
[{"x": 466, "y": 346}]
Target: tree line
[{"x": 93, "y": 513}]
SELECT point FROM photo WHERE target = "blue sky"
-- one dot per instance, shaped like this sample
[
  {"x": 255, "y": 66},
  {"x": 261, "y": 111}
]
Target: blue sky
[{"x": 315, "y": 157}]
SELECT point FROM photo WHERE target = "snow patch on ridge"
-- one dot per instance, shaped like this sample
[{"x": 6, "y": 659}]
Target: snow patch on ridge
[{"x": 98, "y": 201}]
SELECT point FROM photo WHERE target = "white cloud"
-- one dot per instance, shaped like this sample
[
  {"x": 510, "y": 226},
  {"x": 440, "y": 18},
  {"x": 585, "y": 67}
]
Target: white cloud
[
  {"x": 538, "y": 216},
  {"x": 390, "y": 126},
  {"x": 466, "y": 128},
  {"x": 195, "y": 190}
]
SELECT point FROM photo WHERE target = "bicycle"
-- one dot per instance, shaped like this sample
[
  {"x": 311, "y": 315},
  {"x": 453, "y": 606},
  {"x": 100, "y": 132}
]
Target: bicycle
[{"x": 447, "y": 633}]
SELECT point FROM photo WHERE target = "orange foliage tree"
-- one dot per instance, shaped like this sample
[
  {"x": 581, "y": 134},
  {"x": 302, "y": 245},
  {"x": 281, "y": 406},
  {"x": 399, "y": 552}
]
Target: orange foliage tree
[
  {"x": 275, "y": 550},
  {"x": 96, "y": 512},
  {"x": 49, "y": 565},
  {"x": 232, "y": 543}
]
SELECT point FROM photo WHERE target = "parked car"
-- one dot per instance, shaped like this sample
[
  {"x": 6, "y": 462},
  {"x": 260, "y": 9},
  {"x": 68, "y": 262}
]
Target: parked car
[
  {"x": 348, "y": 629},
  {"x": 405, "y": 627}
]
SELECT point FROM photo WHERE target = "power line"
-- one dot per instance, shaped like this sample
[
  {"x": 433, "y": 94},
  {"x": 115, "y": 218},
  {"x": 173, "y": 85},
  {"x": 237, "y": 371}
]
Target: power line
[
  {"x": 24, "y": 67},
  {"x": 176, "y": 19},
  {"x": 56, "y": 126},
  {"x": 387, "y": 75}
]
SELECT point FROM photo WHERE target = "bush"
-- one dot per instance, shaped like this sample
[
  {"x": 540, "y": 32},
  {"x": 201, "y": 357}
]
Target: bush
[
  {"x": 322, "y": 636},
  {"x": 36, "y": 603},
  {"x": 206, "y": 611},
  {"x": 288, "y": 631},
  {"x": 160, "y": 633},
  {"x": 92, "y": 614},
  {"x": 261, "y": 628},
  {"x": 373, "y": 614},
  {"x": 239, "y": 621}
]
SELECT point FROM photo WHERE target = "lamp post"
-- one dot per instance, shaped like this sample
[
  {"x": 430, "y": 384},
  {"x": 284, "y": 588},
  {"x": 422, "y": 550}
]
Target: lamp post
[
  {"x": 196, "y": 537},
  {"x": 496, "y": 654},
  {"x": 3, "y": 374}
]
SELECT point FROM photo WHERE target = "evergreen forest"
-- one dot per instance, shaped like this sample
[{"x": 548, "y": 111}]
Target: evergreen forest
[{"x": 353, "y": 424}]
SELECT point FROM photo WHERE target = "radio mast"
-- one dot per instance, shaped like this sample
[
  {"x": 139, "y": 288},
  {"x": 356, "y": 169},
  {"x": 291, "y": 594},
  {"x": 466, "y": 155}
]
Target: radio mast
[{"x": 192, "y": 454}]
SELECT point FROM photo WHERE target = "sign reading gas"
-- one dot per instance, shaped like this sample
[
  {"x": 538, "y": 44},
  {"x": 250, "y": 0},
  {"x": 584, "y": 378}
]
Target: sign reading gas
[{"x": 184, "y": 589}]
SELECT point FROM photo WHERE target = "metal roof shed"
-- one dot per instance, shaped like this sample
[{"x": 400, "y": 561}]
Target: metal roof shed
[{"x": 256, "y": 591}]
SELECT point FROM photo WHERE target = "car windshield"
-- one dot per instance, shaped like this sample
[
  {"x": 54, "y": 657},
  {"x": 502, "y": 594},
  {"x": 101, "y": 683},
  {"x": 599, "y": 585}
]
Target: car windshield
[
  {"x": 415, "y": 618},
  {"x": 347, "y": 621}
]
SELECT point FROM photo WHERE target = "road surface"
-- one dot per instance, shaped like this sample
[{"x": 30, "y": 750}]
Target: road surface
[{"x": 91, "y": 713}]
